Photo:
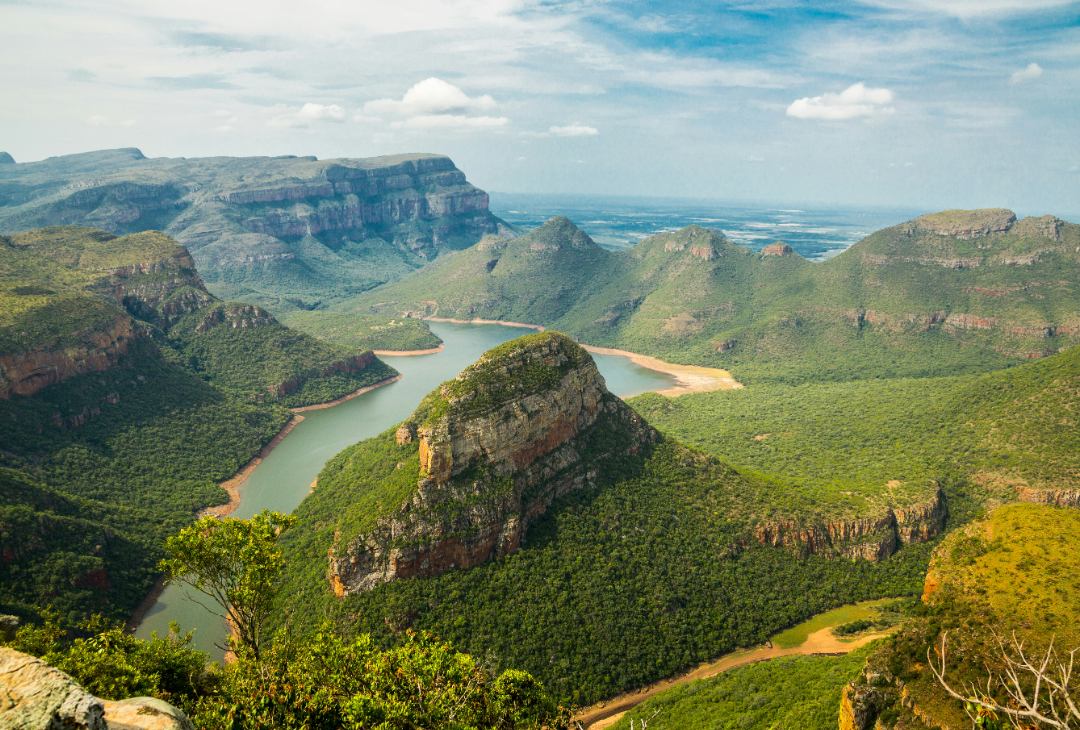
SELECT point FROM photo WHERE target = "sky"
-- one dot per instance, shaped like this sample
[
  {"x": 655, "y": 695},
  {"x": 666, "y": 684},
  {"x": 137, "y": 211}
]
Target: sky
[{"x": 924, "y": 103}]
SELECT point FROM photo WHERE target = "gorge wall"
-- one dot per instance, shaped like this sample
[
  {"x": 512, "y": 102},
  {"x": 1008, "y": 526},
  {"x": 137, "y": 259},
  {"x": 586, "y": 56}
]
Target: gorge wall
[
  {"x": 271, "y": 229},
  {"x": 528, "y": 423}
]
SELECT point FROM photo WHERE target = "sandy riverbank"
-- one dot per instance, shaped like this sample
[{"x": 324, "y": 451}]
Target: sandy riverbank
[
  {"x": 823, "y": 641},
  {"x": 349, "y": 397},
  {"x": 409, "y": 353},
  {"x": 503, "y": 322},
  {"x": 688, "y": 378}
]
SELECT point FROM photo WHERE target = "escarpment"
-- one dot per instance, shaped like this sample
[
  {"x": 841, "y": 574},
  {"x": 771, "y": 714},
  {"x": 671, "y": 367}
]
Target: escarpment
[
  {"x": 273, "y": 229},
  {"x": 874, "y": 537},
  {"x": 528, "y": 423}
]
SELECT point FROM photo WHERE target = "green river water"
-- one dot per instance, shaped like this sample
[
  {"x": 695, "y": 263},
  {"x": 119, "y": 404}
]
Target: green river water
[{"x": 281, "y": 481}]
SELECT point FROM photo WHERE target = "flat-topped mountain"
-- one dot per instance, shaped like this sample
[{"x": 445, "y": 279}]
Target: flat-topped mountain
[
  {"x": 957, "y": 291},
  {"x": 528, "y": 423},
  {"x": 285, "y": 232}
]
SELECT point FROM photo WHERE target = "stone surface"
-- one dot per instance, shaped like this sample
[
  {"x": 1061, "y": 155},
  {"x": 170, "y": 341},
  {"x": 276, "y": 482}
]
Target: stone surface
[
  {"x": 777, "y": 249},
  {"x": 967, "y": 223},
  {"x": 869, "y": 538},
  {"x": 506, "y": 438},
  {"x": 36, "y": 696}
]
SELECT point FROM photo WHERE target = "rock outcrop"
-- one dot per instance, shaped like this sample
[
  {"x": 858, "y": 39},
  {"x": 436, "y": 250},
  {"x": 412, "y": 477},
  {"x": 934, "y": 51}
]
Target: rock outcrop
[
  {"x": 25, "y": 373},
  {"x": 966, "y": 224},
  {"x": 36, "y": 696},
  {"x": 869, "y": 538},
  {"x": 777, "y": 249},
  {"x": 525, "y": 425}
]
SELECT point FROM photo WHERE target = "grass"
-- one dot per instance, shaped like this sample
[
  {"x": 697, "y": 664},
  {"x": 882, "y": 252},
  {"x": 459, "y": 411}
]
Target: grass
[
  {"x": 798, "y": 634},
  {"x": 792, "y": 692}
]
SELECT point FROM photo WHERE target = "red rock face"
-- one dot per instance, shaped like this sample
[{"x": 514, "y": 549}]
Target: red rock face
[
  {"x": 777, "y": 249},
  {"x": 27, "y": 373},
  {"x": 871, "y": 538}
]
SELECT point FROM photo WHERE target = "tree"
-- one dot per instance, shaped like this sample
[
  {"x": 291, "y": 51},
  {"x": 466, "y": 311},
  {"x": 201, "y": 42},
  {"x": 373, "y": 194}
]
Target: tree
[
  {"x": 236, "y": 563},
  {"x": 1038, "y": 688}
]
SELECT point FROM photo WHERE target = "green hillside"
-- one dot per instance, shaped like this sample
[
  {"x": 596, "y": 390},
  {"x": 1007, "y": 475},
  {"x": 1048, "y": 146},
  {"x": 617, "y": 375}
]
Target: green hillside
[
  {"x": 127, "y": 392},
  {"x": 1014, "y": 571},
  {"x": 955, "y": 292},
  {"x": 985, "y": 435}
]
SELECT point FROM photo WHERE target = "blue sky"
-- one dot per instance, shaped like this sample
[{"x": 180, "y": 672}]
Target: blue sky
[{"x": 924, "y": 103}]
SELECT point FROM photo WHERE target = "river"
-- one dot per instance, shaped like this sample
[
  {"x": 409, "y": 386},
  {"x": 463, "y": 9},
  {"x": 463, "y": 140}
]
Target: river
[{"x": 282, "y": 480}]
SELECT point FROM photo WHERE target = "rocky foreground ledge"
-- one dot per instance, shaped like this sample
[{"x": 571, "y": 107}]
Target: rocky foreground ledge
[{"x": 36, "y": 696}]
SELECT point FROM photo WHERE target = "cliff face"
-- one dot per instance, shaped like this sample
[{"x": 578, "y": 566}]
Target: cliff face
[
  {"x": 25, "y": 373},
  {"x": 870, "y": 538},
  {"x": 272, "y": 228},
  {"x": 496, "y": 446}
]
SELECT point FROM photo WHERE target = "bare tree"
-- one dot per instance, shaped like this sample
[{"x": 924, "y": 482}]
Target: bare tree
[{"x": 1038, "y": 689}]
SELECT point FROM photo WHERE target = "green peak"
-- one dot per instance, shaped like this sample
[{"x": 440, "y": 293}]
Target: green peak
[
  {"x": 558, "y": 233},
  {"x": 696, "y": 241},
  {"x": 531, "y": 364}
]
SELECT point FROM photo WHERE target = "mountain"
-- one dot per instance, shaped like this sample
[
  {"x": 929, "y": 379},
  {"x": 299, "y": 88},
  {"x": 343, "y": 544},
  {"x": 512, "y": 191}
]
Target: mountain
[
  {"x": 1012, "y": 575},
  {"x": 528, "y": 514},
  {"x": 127, "y": 391},
  {"x": 283, "y": 232},
  {"x": 951, "y": 292}
]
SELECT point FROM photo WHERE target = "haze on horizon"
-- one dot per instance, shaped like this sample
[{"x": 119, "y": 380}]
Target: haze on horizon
[{"x": 922, "y": 103}]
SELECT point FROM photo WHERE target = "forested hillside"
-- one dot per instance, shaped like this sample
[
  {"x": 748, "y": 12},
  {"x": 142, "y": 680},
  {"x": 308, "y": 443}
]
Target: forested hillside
[{"x": 126, "y": 392}]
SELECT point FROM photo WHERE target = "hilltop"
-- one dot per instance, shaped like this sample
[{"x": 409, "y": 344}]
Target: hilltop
[
  {"x": 526, "y": 513},
  {"x": 1013, "y": 573},
  {"x": 947, "y": 293},
  {"x": 283, "y": 232},
  {"x": 127, "y": 391}
]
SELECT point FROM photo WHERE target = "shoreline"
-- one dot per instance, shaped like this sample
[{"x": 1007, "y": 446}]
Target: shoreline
[
  {"x": 822, "y": 642},
  {"x": 688, "y": 378},
  {"x": 232, "y": 484},
  {"x": 409, "y": 353},
  {"x": 503, "y": 322}
]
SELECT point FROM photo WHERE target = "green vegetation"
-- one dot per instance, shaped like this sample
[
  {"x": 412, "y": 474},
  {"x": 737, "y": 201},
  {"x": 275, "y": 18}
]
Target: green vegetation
[
  {"x": 654, "y": 553},
  {"x": 1017, "y": 570},
  {"x": 792, "y": 692},
  {"x": 867, "y": 611},
  {"x": 983, "y": 435},
  {"x": 183, "y": 391},
  {"x": 321, "y": 681},
  {"x": 236, "y": 564},
  {"x": 904, "y": 302},
  {"x": 357, "y": 331}
]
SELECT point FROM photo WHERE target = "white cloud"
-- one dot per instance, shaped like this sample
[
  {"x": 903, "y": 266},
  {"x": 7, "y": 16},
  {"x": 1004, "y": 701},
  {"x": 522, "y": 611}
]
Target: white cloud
[
  {"x": 1029, "y": 73},
  {"x": 308, "y": 113},
  {"x": 435, "y": 104},
  {"x": 430, "y": 96},
  {"x": 321, "y": 112},
  {"x": 573, "y": 130},
  {"x": 857, "y": 100}
]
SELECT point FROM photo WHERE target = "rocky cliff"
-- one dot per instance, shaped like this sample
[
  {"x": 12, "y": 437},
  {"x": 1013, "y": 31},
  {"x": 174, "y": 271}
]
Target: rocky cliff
[
  {"x": 529, "y": 422},
  {"x": 36, "y": 695},
  {"x": 873, "y": 537},
  {"x": 271, "y": 228}
]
